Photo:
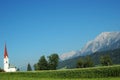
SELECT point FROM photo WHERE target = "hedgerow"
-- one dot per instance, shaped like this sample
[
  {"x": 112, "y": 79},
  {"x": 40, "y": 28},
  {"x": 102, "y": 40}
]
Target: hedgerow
[{"x": 97, "y": 72}]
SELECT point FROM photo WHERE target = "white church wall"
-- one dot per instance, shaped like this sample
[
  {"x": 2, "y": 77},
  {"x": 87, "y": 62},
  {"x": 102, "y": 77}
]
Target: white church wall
[{"x": 12, "y": 69}]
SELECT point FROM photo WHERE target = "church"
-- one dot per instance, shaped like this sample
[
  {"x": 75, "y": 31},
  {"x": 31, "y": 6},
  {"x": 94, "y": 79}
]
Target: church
[{"x": 7, "y": 66}]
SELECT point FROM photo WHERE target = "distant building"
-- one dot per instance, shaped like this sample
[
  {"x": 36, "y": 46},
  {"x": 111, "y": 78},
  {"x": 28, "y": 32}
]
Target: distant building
[{"x": 7, "y": 66}]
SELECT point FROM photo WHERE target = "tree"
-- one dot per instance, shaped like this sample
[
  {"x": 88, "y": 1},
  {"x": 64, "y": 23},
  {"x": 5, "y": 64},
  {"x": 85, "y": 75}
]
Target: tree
[
  {"x": 105, "y": 60},
  {"x": 88, "y": 62},
  {"x": 51, "y": 64},
  {"x": 29, "y": 67},
  {"x": 80, "y": 63},
  {"x": 53, "y": 61},
  {"x": 18, "y": 69},
  {"x": 36, "y": 67},
  {"x": 1, "y": 70},
  {"x": 85, "y": 62},
  {"x": 42, "y": 64}
]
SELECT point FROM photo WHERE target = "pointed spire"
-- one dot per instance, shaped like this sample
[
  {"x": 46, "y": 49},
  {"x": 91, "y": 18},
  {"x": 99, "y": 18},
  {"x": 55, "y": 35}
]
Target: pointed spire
[{"x": 5, "y": 52}]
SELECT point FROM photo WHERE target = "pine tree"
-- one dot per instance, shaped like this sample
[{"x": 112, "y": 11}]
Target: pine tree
[
  {"x": 42, "y": 64},
  {"x": 29, "y": 67}
]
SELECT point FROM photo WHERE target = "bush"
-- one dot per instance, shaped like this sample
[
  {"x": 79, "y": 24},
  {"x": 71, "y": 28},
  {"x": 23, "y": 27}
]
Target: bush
[{"x": 1, "y": 70}]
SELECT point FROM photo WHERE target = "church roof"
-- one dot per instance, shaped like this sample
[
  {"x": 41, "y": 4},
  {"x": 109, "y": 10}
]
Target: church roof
[{"x": 5, "y": 52}]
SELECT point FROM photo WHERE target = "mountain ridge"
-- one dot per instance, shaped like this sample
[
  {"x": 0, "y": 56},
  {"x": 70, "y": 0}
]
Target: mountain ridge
[
  {"x": 104, "y": 41},
  {"x": 71, "y": 63}
]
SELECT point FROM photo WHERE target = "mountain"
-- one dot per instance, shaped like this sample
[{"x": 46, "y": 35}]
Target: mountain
[
  {"x": 71, "y": 63},
  {"x": 69, "y": 55},
  {"x": 104, "y": 41}
]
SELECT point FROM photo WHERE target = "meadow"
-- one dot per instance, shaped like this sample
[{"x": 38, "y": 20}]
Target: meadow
[{"x": 95, "y": 73}]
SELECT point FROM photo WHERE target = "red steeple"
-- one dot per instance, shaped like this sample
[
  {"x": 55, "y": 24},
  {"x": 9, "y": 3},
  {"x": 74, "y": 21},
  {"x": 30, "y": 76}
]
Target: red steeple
[{"x": 5, "y": 52}]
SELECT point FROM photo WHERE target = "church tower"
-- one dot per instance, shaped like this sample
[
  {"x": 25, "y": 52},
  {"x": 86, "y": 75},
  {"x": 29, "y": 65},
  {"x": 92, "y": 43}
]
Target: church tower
[
  {"x": 6, "y": 60},
  {"x": 7, "y": 66}
]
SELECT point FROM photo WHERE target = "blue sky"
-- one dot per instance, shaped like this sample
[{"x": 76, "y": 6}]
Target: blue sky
[{"x": 32, "y": 28}]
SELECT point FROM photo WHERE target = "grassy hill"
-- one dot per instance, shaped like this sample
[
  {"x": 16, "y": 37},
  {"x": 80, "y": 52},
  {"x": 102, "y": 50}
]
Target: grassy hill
[
  {"x": 95, "y": 73},
  {"x": 71, "y": 63}
]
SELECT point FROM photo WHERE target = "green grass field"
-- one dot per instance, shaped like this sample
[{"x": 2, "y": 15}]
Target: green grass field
[
  {"x": 96, "y": 73},
  {"x": 25, "y": 78}
]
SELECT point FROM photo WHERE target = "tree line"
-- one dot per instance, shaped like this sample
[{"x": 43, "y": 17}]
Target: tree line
[
  {"x": 87, "y": 61},
  {"x": 50, "y": 63}
]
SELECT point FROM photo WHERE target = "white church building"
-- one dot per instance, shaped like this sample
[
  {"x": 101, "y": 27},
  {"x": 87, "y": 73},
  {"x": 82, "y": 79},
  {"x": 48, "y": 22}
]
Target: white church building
[{"x": 7, "y": 66}]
